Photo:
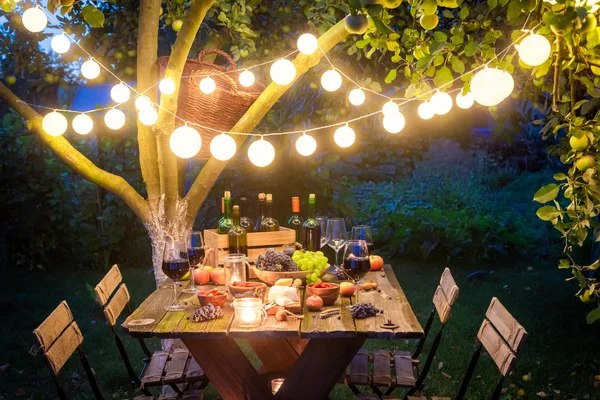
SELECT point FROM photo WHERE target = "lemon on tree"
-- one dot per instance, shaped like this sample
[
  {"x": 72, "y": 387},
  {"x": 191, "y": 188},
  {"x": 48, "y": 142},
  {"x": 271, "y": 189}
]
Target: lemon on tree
[
  {"x": 428, "y": 7},
  {"x": 11, "y": 79},
  {"x": 579, "y": 144},
  {"x": 585, "y": 162},
  {"x": 391, "y": 3},
  {"x": 447, "y": 3},
  {"x": 176, "y": 25},
  {"x": 356, "y": 24},
  {"x": 429, "y": 22}
]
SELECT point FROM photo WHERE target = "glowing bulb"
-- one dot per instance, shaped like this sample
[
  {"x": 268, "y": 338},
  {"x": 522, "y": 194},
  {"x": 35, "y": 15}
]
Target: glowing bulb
[
  {"x": 356, "y": 97},
  {"x": 207, "y": 85},
  {"x": 306, "y": 145},
  {"x": 261, "y": 153},
  {"x": 331, "y": 80},
  {"x": 508, "y": 84},
  {"x": 246, "y": 78},
  {"x": 487, "y": 87},
  {"x": 34, "y": 20},
  {"x": 142, "y": 102},
  {"x": 60, "y": 43},
  {"x": 120, "y": 93},
  {"x": 166, "y": 86},
  {"x": 148, "y": 116},
  {"x": 283, "y": 72},
  {"x": 114, "y": 119},
  {"x": 441, "y": 102},
  {"x": 465, "y": 101},
  {"x": 185, "y": 142},
  {"x": 394, "y": 123},
  {"x": 90, "y": 69},
  {"x": 82, "y": 124},
  {"x": 426, "y": 110},
  {"x": 307, "y": 43},
  {"x": 54, "y": 124},
  {"x": 344, "y": 136},
  {"x": 390, "y": 108},
  {"x": 534, "y": 50},
  {"x": 223, "y": 147}
]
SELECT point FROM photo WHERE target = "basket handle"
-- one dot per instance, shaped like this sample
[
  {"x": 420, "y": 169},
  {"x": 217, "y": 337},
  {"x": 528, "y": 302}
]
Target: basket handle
[{"x": 232, "y": 63}]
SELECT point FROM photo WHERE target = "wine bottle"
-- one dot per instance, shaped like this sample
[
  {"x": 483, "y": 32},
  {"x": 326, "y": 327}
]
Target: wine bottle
[
  {"x": 295, "y": 221},
  {"x": 226, "y": 222},
  {"x": 311, "y": 228},
  {"x": 245, "y": 221},
  {"x": 261, "y": 211},
  {"x": 238, "y": 240},
  {"x": 269, "y": 224},
  {"x": 222, "y": 212}
]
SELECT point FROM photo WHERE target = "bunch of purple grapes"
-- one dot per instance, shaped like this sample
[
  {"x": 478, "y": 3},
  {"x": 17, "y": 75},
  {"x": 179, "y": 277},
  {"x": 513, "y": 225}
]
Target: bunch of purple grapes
[
  {"x": 364, "y": 310},
  {"x": 207, "y": 313},
  {"x": 275, "y": 261}
]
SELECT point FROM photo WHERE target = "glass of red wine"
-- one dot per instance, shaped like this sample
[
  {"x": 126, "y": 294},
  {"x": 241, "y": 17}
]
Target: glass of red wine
[
  {"x": 195, "y": 251},
  {"x": 363, "y": 232},
  {"x": 356, "y": 259},
  {"x": 175, "y": 265}
]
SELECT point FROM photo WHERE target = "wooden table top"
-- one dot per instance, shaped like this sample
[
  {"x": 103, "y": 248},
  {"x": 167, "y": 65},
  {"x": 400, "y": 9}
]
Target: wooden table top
[{"x": 179, "y": 324}]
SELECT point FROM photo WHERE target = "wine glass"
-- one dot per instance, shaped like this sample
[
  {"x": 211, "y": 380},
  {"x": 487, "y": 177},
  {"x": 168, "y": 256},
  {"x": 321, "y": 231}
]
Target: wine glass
[
  {"x": 336, "y": 236},
  {"x": 363, "y": 232},
  {"x": 195, "y": 251},
  {"x": 356, "y": 259},
  {"x": 322, "y": 220},
  {"x": 175, "y": 264}
]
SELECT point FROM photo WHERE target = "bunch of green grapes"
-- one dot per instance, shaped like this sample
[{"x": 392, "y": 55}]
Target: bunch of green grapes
[{"x": 313, "y": 262}]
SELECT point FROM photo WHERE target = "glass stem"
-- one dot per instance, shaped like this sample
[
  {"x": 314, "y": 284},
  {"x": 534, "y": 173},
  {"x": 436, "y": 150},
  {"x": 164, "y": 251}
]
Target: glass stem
[
  {"x": 174, "y": 292},
  {"x": 337, "y": 264}
]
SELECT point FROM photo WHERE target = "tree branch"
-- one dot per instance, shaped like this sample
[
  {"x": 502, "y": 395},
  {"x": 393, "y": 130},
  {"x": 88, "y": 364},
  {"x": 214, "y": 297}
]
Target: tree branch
[
  {"x": 213, "y": 168},
  {"x": 77, "y": 161}
]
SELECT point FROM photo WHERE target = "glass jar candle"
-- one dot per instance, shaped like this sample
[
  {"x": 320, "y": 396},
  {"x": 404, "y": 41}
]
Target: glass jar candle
[
  {"x": 276, "y": 384},
  {"x": 248, "y": 312},
  {"x": 235, "y": 266}
]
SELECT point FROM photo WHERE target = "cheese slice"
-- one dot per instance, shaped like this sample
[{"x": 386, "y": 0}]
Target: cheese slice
[
  {"x": 284, "y": 282},
  {"x": 288, "y": 294}
]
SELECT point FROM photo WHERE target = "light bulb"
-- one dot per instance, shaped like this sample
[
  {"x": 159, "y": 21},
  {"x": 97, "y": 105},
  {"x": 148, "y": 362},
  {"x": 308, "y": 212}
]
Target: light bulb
[
  {"x": 394, "y": 123},
  {"x": 166, "y": 86},
  {"x": 390, "y": 108},
  {"x": 246, "y": 78},
  {"x": 356, "y": 97},
  {"x": 90, "y": 69},
  {"x": 207, "y": 85},
  {"x": 441, "y": 102},
  {"x": 82, "y": 124},
  {"x": 426, "y": 110},
  {"x": 54, "y": 123},
  {"x": 223, "y": 147},
  {"x": 185, "y": 142},
  {"x": 465, "y": 101},
  {"x": 142, "y": 102},
  {"x": 534, "y": 50},
  {"x": 307, "y": 43},
  {"x": 114, "y": 119},
  {"x": 331, "y": 80},
  {"x": 34, "y": 20},
  {"x": 508, "y": 84},
  {"x": 306, "y": 145},
  {"x": 283, "y": 72},
  {"x": 60, "y": 43},
  {"x": 261, "y": 153},
  {"x": 120, "y": 93},
  {"x": 487, "y": 87},
  {"x": 148, "y": 116},
  {"x": 344, "y": 136}
]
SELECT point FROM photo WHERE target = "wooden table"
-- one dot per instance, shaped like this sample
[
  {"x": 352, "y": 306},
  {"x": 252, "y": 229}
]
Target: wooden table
[{"x": 311, "y": 353}]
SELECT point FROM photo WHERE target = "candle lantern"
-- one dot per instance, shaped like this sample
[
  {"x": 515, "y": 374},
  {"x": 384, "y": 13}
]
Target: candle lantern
[
  {"x": 248, "y": 312},
  {"x": 276, "y": 385},
  {"x": 235, "y": 266}
]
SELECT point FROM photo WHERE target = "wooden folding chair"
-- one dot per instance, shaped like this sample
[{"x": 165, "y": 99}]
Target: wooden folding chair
[
  {"x": 400, "y": 369},
  {"x": 161, "y": 367},
  {"x": 59, "y": 338}
]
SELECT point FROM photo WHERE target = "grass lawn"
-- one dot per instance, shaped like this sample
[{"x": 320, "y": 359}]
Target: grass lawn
[{"x": 560, "y": 357}]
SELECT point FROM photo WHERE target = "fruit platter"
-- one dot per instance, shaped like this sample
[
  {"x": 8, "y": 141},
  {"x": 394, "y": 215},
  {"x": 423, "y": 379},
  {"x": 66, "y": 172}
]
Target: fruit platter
[{"x": 308, "y": 266}]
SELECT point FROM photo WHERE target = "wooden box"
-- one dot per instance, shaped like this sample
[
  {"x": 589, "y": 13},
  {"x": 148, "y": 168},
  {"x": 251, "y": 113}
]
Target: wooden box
[{"x": 258, "y": 242}]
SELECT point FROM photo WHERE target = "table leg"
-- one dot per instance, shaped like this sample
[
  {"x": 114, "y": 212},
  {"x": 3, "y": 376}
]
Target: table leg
[
  {"x": 228, "y": 369},
  {"x": 318, "y": 368},
  {"x": 278, "y": 355}
]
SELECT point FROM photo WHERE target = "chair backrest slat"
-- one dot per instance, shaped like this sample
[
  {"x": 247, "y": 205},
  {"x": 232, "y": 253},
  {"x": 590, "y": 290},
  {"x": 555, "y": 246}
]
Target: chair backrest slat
[
  {"x": 442, "y": 306},
  {"x": 449, "y": 286},
  {"x": 64, "y": 347},
  {"x": 108, "y": 284},
  {"x": 495, "y": 345},
  {"x": 54, "y": 325},
  {"x": 506, "y": 324},
  {"x": 117, "y": 304}
]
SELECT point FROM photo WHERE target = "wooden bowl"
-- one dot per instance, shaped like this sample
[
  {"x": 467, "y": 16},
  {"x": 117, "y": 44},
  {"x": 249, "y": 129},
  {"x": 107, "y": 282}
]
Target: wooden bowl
[
  {"x": 329, "y": 295},
  {"x": 218, "y": 300},
  {"x": 257, "y": 288},
  {"x": 270, "y": 277}
]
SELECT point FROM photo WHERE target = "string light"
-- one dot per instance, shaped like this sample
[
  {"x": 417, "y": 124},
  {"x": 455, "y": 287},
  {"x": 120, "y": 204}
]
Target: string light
[
  {"x": 344, "y": 136},
  {"x": 261, "y": 153},
  {"x": 283, "y": 72},
  {"x": 394, "y": 123},
  {"x": 486, "y": 87},
  {"x": 90, "y": 69},
  {"x": 390, "y": 108},
  {"x": 426, "y": 110},
  {"x": 306, "y": 145},
  {"x": 207, "y": 85},
  {"x": 246, "y": 78},
  {"x": 82, "y": 124},
  {"x": 60, "y": 43},
  {"x": 508, "y": 84},
  {"x": 223, "y": 147},
  {"x": 120, "y": 93},
  {"x": 307, "y": 43},
  {"x": 185, "y": 142},
  {"x": 142, "y": 102},
  {"x": 331, "y": 80},
  {"x": 356, "y": 97},
  {"x": 534, "y": 50},
  {"x": 54, "y": 123},
  {"x": 441, "y": 102},
  {"x": 148, "y": 116},
  {"x": 166, "y": 86},
  {"x": 465, "y": 101},
  {"x": 34, "y": 20},
  {"x": 114, "y": 119}
]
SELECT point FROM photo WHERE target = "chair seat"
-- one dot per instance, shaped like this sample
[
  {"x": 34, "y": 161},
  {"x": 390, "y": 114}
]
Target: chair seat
[
  {"x": 381, "y": 369},
  {"x": 171, "y": 368}
]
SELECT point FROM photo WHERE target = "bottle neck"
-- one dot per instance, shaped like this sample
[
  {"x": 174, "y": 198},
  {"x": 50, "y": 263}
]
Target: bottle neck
[
  {"x": 236, "y": 217},
  {"x": 268, "y": 208},
  {"x": 261, "y": 208},
  {"x": 222, "y": 206},
  {"x": 295, "y": 206},
  {"x": 311, "y": 209},
  {"x": 227, "y": 208}
]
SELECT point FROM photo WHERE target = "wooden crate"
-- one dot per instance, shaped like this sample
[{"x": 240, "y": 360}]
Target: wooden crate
[{"x": 258, "y": 242}]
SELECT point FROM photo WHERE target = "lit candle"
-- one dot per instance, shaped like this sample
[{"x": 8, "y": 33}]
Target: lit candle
[
  {"x": 248, "y": 312},
  {"x": 248, "y": 315},
  {"x": 276, "y": 384}
]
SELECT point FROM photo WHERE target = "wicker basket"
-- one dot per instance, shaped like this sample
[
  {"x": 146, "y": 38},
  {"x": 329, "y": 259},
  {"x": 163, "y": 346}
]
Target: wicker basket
[{"x": 219, "y": 110}]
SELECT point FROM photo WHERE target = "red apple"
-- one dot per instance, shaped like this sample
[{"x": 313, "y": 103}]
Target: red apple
[
  {"x": 314, "y": 303},
  {"x": 217, "y": 275},
  {"x": 201, "y": 276},
  {"x": 376, "y": 263},
  {"x": 347, "y": 289}
]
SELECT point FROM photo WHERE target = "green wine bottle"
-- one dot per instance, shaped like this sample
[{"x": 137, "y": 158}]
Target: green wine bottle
[
  {"x": 238, "y": 240},
  {"x": 226, "y": 223},
  {"x": 269, "y": 224},
  {"x": 295, "y": 221},
  {"x": 245, "y": 221},
  {"x": 311, "y": 228}
]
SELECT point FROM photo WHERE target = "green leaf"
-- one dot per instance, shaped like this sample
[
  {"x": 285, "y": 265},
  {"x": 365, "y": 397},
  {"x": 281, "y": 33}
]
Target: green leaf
[
  {"x": 457, "y": 65},
  {"x": 93, "y": 16},
  {"x": 424, "y": 62},
  {"x": 381, "y": 27},
  {"x": 546, "y": 193},
  {"x": 503, "y": 3},
  {"x": 376, "y": 86},
  {"x": 593, "y": 316},
  {"x": 464, "y": 12},
  {"x": 564, "y": 264},
  {"x": 448, "y": 14},
  {"x": 440, "y": 36},
  {"x": 560, "y": 177},
  {"x": 391, "y": 76},
  {"x": 471, "y": 49},
  {"x": 514, "y": 10},
  {"x": 548, "y": 213},
  {"x": 442, "y": 77},
  {"x": 492, "y": 4}
]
